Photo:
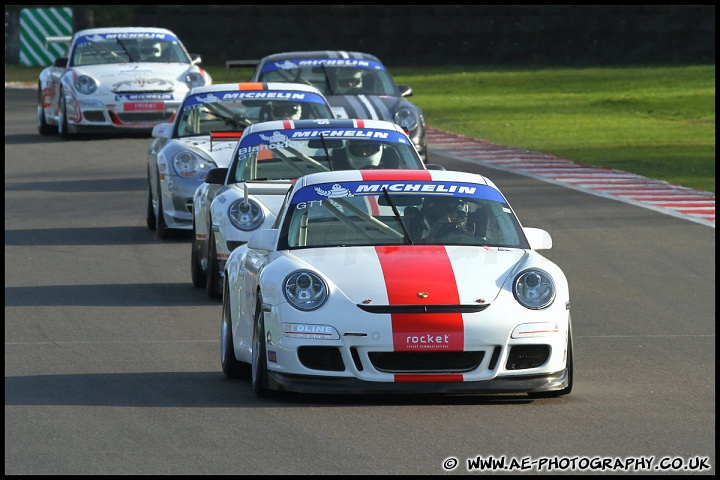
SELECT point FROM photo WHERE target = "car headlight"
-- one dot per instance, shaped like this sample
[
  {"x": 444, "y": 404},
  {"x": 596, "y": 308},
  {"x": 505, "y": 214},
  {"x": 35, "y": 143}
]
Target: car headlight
[
  {"x": 406, "y": 118},
  {"x": 194, "y": 79},
  {"x": 245, "y": 216},
  {"x": 187, "y": 164},
  {"x": 85, "y": 85},
  {"x": 305, "y": 290},
  {"x": 534, "y": 289}
]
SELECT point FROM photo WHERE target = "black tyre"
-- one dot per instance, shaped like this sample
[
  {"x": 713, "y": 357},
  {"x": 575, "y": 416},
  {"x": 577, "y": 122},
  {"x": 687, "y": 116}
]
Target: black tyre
[
  {"x": 199, "y": 277},
  {"x": 149, "y": 210},
  {"x": 212, "y": 282},
  {"x": 231, "y": 366},
  {"x": 62, "y": 119},
  {"x": 160, "y": 225},
  {"x": 259, "y": 356},
  {"x": 43, "y": 127}
]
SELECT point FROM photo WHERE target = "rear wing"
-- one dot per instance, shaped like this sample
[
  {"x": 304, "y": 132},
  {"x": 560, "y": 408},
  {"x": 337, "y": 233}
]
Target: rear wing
[
  {"x": 240, "y": 63},
  {"x": 63, "y": 39}
]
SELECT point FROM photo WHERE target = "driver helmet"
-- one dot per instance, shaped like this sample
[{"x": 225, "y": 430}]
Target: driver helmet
[
  {"x": 150, "y": 50},
  {"x": 445, "y": 214},
  {"x": 285, "y": 111},
  {"x": 348, "y": 79},
  {"x": 364, "y": 153}
]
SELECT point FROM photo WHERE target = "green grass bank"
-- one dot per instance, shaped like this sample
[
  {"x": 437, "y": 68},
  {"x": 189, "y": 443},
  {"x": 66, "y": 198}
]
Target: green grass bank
[{"x": 658, "y": 122}]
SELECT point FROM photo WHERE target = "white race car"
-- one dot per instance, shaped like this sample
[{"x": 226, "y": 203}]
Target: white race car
[
  {"x": 203, "y": 136},
  {"x": 233, "y": 202},
  {"x": 113, "y": 80},
  {"x": 397, "y": 282}
]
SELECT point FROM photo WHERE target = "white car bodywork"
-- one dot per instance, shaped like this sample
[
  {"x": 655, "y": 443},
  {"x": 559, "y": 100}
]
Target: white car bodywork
[
  {"x": 203, "y": 136},
  {"x": 264, "y": 182},
  {"x": 116, "y": 80},
  {"x": 398, "y": 315}
]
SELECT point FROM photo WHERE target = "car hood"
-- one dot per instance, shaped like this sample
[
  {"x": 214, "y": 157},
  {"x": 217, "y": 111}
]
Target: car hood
[
  {"x": 219, "y": 150},
  {"x": 139, "y": 77},
  {"x": 414, "y": 274},
  {"x": 376, "y": 107},
  {"x": 270, "y": 193}
]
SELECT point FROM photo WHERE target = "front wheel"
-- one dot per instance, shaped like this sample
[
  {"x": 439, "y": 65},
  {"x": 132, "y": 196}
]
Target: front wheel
[
  {"x": 149, "y": 209},
  {"x": 43, "y": 127},
  {"x": 259, "y": 355},
  {"x": 160, "y": 225},
  {"x": 63, "y": 130},
  {"x": 231, "y": 366},
  {"x": 212, "y": 283},
  {"x": 199, "y": 276}
]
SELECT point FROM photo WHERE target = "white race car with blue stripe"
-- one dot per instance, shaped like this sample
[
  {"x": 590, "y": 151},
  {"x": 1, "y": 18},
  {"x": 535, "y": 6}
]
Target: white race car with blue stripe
[{"x": 247, "y": 195}]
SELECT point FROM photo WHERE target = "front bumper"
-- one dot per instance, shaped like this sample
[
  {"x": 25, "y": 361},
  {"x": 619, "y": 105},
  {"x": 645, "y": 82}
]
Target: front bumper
[
  {"x": 98, "y": 117},
  {"x": 339, "y": 385}
]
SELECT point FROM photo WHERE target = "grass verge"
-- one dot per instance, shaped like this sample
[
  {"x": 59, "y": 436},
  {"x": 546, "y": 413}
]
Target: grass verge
[{"x": 658, "y": 122}]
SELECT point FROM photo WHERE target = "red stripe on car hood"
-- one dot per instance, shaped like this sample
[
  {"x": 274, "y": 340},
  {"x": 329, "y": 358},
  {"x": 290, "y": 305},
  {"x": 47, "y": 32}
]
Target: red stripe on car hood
[{"x": 422, "y": 275}]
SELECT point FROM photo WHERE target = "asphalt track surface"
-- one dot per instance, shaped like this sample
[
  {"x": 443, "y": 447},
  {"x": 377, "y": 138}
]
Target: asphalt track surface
[{"x": 112, "y": 357}]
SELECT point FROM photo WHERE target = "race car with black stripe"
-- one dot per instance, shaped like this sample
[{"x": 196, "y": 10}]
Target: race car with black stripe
[
  {"x": 397, "y": 281},
  {"x": 238, "y": 199},
  {"x": 115, "y": 80},
  {"x": 356, "y": 84},
  {"x": 203, "y": 136}
]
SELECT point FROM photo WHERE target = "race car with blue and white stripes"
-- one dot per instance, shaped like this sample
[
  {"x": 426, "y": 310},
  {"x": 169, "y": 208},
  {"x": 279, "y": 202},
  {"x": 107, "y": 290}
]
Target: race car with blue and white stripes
[
  {"x": 397, "y": 281},
  {"x": 356, "y": 84},
  {"x": 247, "y": 194}
]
